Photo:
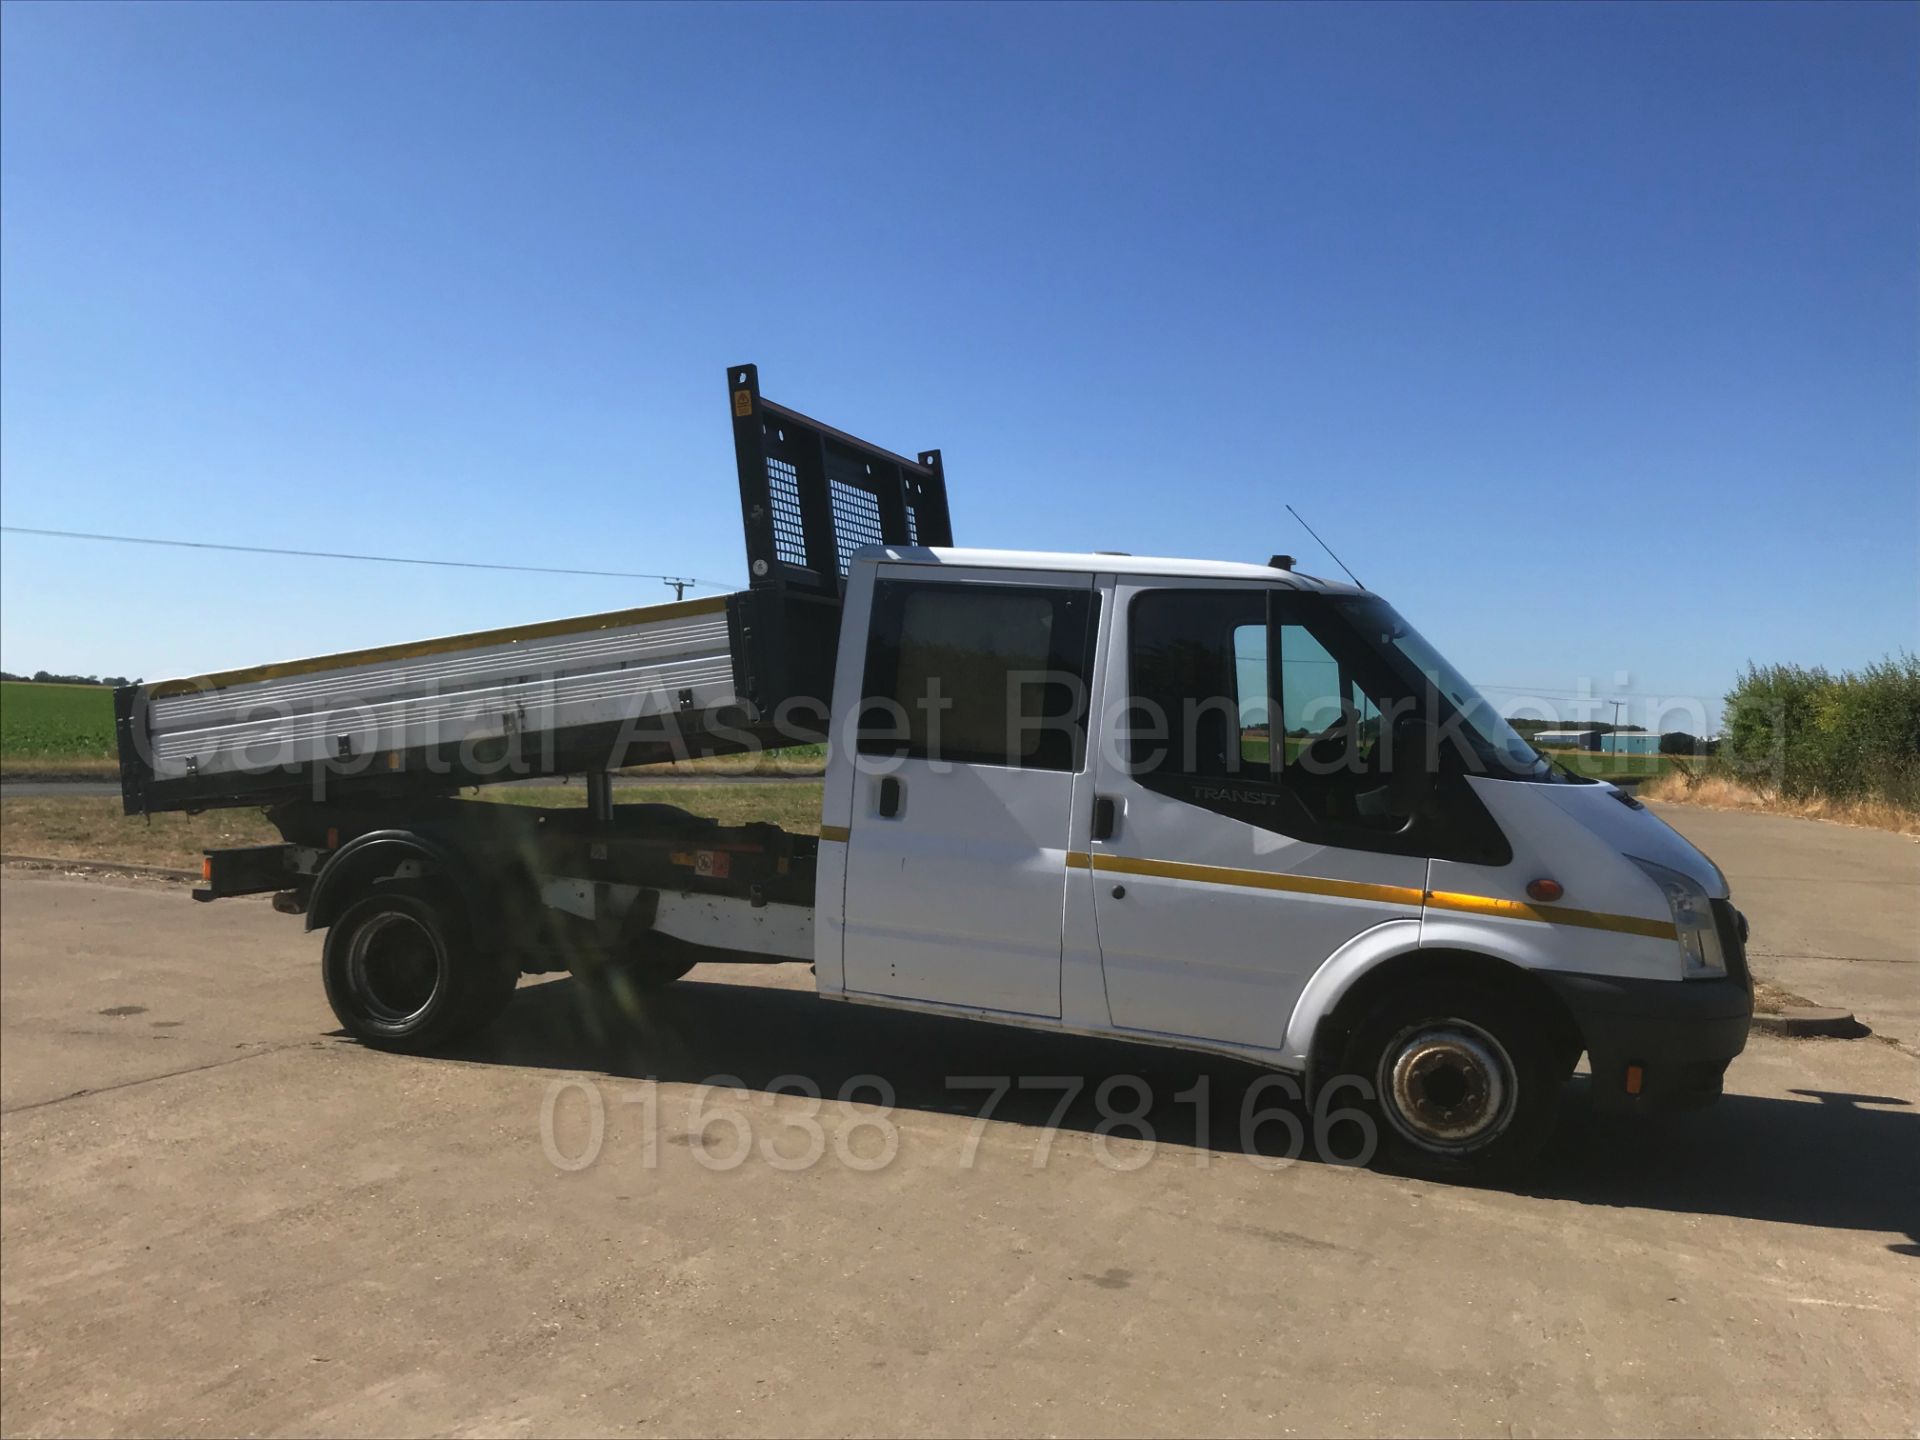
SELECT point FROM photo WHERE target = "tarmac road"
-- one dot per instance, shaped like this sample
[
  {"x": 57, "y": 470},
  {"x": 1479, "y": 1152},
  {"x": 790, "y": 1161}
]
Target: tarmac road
[{"x": 218, "y": 1215}]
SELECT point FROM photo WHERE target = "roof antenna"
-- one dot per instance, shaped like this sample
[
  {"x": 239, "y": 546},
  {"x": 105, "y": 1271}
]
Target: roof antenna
[{"x": 1324, "y": 546}]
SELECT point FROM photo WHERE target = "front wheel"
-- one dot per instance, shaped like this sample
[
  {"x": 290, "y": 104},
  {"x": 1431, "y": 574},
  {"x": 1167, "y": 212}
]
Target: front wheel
[
  {"x": 1465, "y": 1082},
  {"x": 403, "y": 973}
]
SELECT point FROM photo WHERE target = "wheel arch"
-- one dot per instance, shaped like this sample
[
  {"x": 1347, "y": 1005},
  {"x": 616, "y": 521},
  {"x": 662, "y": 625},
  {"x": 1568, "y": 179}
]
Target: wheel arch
[
  {"x": 1358, "y": 977},
  {"x": 356, "y": 865}
]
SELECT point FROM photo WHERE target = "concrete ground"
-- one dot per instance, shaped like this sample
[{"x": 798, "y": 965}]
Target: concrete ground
[
  {"x": 1835, "y": 909},
  {"x": 219, "y": 1216}
]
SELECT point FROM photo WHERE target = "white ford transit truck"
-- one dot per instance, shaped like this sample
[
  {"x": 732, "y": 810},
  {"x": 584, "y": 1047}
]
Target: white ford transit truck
[{"x": 1217, "y": 806}]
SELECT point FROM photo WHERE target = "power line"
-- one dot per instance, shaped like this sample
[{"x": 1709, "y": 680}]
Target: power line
[{"x": 675, "y": 580}]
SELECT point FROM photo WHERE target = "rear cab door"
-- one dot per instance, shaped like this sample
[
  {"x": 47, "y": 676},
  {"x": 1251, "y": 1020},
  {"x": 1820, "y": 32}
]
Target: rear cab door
[{"x": 959, "y": 794}]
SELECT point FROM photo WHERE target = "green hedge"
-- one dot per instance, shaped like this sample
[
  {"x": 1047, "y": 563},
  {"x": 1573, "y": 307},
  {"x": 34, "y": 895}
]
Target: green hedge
[{"x": 1807, "y": 731}]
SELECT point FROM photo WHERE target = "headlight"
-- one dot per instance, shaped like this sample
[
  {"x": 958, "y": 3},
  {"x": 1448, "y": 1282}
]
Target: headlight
[{"x": 1700, "y": 952}]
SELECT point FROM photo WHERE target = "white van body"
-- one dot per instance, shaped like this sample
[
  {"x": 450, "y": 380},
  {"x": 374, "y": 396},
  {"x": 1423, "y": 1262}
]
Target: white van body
[{"x": 988, "y": 894}]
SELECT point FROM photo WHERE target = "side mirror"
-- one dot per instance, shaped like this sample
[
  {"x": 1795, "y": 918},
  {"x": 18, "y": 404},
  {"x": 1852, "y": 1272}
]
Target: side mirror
[{"x": 1413, "y": 759}]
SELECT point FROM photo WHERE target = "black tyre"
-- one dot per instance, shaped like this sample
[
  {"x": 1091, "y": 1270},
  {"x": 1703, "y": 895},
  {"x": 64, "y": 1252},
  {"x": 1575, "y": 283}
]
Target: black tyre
[
  {"x": 403, "y": 972},
  {"x": 1466, "y": 1082}
]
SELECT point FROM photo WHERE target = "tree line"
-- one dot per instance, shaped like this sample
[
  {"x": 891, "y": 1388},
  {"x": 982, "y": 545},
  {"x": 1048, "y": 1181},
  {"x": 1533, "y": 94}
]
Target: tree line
[{"x": 47, "y": 677}]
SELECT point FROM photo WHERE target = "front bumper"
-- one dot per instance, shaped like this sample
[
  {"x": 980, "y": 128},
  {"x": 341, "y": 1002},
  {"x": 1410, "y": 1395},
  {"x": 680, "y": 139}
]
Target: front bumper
[{"x": 1657, "y": 1044}]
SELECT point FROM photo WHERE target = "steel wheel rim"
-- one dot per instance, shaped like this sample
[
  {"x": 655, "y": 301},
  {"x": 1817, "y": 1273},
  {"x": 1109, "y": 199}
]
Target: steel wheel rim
[
  {"x": 1447, "y": 1085},
  {"x": 394, "y": 968}
]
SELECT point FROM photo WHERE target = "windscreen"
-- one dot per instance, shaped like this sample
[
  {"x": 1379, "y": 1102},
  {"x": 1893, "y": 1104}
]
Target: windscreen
[{"x": 1503, "y": 751}]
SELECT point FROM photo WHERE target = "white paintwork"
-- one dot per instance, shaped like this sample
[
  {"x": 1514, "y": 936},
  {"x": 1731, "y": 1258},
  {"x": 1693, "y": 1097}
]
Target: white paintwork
[
  {"x": 1073, "y": 563},
  {"x": 530, "y": 687},
  {"x": 943, "y": 918},
  {"x": 1578, "y": 845},
  {"x": 1083, "y": 982},
  {"x": 724, "y": 922},
  {"x": 959, "y": 898},
  {"x": 1216, "y": 961}
]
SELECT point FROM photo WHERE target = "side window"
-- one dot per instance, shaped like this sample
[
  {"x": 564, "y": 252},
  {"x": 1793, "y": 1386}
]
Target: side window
[
  {"x": 978, "y": 674},
  {"x": 1311, "y": 692},
  {"x": 1280, "y": 701},
  {"x": 1333, "y": 693},
  {"x": 1197, "y": 667}
]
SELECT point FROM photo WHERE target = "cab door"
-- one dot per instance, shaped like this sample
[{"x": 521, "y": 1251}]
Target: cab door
[
  {"x": 1218, "y": 889},
  {"x": 971, "y": 732}
]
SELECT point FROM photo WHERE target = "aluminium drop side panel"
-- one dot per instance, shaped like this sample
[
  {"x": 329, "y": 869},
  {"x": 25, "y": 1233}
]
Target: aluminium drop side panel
[{"x": 533, "y": 700}]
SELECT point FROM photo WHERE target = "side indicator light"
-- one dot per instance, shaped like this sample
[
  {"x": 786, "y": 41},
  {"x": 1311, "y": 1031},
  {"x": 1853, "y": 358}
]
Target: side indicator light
[
  {"x": 1544, "y": 889},
  {"x": 1636, "y": 1077}
]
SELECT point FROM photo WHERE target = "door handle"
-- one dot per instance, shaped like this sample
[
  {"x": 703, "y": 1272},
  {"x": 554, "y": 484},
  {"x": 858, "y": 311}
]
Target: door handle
[
  {"x": 1106, "y": 817},
  {"x": 889, "y": 798}
]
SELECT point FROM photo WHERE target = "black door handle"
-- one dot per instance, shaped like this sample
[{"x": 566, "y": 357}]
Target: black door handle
[
  {"x": 889, "y": 798},
  {"x": 1103, "y": 817}
]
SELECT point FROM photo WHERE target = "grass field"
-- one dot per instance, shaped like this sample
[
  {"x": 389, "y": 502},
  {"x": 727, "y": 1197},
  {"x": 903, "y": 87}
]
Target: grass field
[
  {"x": 87, "y": 827},
  {"x": 55, "y": 728}
]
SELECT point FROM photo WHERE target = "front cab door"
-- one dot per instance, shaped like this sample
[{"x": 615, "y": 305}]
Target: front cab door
[{"x": 1227, "y": 866}]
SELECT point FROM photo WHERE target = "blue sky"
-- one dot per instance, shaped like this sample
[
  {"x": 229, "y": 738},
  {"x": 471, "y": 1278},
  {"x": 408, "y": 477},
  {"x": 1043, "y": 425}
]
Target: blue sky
[{"x": 1587, "y": 335}]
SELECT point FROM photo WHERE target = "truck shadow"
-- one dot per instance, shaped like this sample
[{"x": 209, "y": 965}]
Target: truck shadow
[{"x": 1821, "y": 1158}]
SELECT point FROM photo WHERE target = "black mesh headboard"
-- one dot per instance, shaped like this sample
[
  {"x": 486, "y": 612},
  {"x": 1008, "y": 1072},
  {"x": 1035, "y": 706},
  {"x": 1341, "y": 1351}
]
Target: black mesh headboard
[{"x": 811, "y": 495}]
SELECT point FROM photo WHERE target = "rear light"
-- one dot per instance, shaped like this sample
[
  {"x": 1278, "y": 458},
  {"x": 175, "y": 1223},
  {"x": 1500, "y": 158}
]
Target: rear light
[{"x": 206, "y": 868}]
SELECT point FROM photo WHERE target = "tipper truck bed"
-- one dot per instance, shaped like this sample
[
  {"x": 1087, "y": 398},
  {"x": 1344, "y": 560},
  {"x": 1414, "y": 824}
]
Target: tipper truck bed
[{"x": 597, "y": 692}]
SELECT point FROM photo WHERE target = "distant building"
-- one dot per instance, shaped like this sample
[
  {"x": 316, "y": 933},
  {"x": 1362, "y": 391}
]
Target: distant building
[
  {"x": 1567, "y": 739},
  {"x": 1630, "y": 742}
]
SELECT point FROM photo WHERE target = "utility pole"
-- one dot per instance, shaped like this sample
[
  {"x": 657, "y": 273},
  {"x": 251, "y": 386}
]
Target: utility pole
[
  {"x": 1616, "y": 711},
  {"x": 679, "y": 586}
]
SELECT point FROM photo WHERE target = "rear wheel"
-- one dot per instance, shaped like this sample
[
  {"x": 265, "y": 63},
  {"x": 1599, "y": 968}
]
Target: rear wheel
[
  {"x": 1466, "y": 1082},
  {"x": 403, "y": 973}
]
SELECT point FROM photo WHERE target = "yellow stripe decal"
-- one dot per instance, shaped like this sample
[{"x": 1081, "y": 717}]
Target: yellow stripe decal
[
  {"x": 835, "y": 832},
  {"x": 1551, "y": 915},
  {"x": 1381, "y": 894},
  {"x": 1257, "y": 879},
  {"x": 545, "y": 630}
]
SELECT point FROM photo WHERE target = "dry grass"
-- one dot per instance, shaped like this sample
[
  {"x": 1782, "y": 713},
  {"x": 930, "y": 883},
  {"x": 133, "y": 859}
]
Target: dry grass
[
  {"x": 89, "y": 827},
  {"x": 796, "y": 760},
  {"x": 1771, "y": 999},
  {"x": 59, "y": 767},
  {"x": 1717, "y": 792}
]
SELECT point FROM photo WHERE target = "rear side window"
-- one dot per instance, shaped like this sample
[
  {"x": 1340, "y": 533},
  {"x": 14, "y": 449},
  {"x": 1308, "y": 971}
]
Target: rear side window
[{"x": 978, "y": 674}]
